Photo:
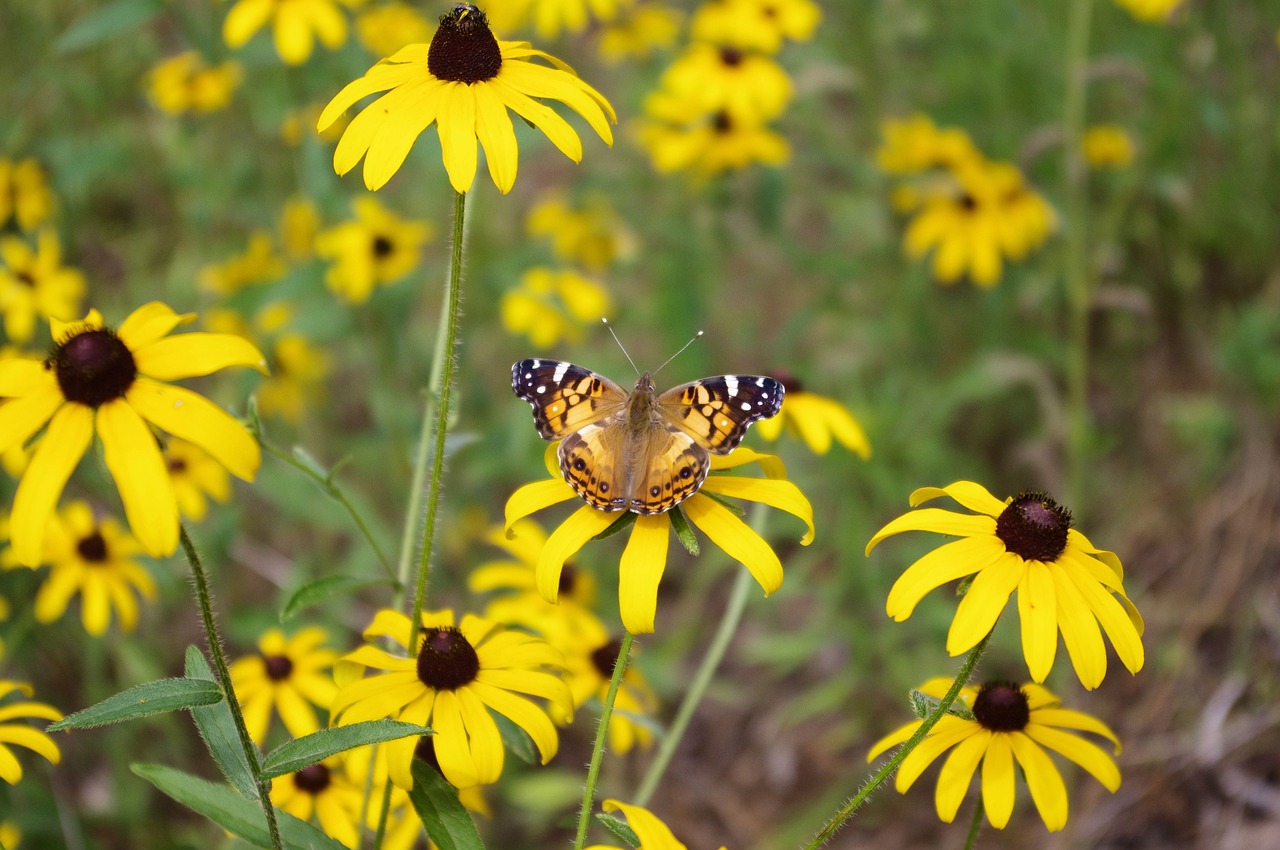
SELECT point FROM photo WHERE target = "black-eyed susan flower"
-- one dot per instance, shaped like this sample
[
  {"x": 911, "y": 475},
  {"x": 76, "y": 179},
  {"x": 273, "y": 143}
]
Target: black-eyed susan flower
[
  {"x": 113, "y": 383},
  {"x": 1024, "y": 544},
  {"x": 652, "y": 832},
  {"x": 259, "y": 264},
  {"x": 640, "y": 31},
  {"x": 25, "y": 194},
  {"x": 816, "y": 419},
  {"x": 464, "y": 82},
  {"x": 681, "y": 137},
  {"x": 34, "y": 284},
  {"x": 749, "y": 86},
  {"x": 376, "y": 248},
  {"x": 451, "y": 681},
  {"x": 553, "y": 18},
  {"x": 514, "y": 575},
  {"x": 645, "y": 557},
  {"x": 295, "y": 25},
  {"x": 186, "y": 83},
  {"x": 289, "y": 676},
  {"x": 913, "y": 144},
  {"x": 196, "y": 477},
  {"x": 590, "y": 234},
  {"x": 23, "y": 734},
  {"x": 1152, "y": 11},
  {"x": 1107, "y": 146},
  {"x": 323, "y": 791},
  {"x": 756, "y": 24},
  {"x": 1010, "y": 724},
  {"x": 385, "y": 28},
  {"x": 549, "y": 306}
]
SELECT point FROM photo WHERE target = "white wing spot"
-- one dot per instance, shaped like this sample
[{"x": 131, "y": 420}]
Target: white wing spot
[
  {"x": 559, "y": 373},
  {"x": 746, "y": 405},
  {"x": 541, "y": 389},
  {"x": 731, "y": 382}
]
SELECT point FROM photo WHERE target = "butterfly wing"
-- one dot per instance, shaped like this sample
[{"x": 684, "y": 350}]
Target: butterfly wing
[
  {"x": 565, "y": 398},
  {"x": 593, "y": 462},
  {"x": 716, "y": 412},
  {"x": 670, "y": 467}
]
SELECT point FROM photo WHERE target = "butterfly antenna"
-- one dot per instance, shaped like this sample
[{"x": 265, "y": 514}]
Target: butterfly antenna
[
  {"x": 620, "y": 345},
  {"x": 678, "y": 353}
]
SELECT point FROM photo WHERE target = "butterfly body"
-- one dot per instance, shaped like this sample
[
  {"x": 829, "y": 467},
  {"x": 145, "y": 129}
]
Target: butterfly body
[{"x": 642, "y": 451}]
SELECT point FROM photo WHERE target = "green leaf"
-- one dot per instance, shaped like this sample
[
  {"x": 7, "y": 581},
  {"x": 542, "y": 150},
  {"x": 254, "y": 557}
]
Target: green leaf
[
  {"x": 619, "y": 828},
  {"x": 516, "y": 741},
  {"x": 308, "y": 462},
  {"x": 684, "y": 531},
  {"x": 448, "y": 823},
  {"x": 218, "y": 729},
  {"x": 315, "y": 592},
  {"x": 318, "y": 746},
  {"x": 142, "y": 700},
  {"x": 620, "y": 524},
  {"x": 111, "y": 20},
  {"x": 232, "y": 812}
]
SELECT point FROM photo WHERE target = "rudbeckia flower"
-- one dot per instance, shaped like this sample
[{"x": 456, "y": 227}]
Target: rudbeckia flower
[
  {"x": 196, "y": 477},
  {"x": 186, "y": 83},
  {"x": 590, "y": 234},
  {"x": 552, "y": 305},
  {"x": 289, "y": 675},
  {"x": 817, "y": 419},
  {"x": 652, "y": 832},
  {"x": 1024, "y": 544},
  {"x": 463, "y": 82},
  {"x": 23, "y": 734},
  {"x": 756, "y": 24},
  {"x": 323, "y": 790},
  {"x": 25, "y": 194},
  {"x": 35, "y": 283},
  {"x": 514, "y": 575},
  {"x": 376, "y": 248},
  {"x": 552, "y": 18},
  {"x": 113, "y": 383},
  {"x": 1107, "y": 146},
  {"x": 645, "y": 557},
  {"x": 296, "y": 24},
  {"x": 643, "y": 29},
  {"x": 1010, "y": 723},
  {"x": 681, "y": 137},
  {"x": 451, "y": 681},
  {"x": 914, "y": 144}
]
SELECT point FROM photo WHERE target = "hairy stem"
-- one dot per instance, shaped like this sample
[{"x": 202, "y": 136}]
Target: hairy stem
[{"x": 597, "y": 751}]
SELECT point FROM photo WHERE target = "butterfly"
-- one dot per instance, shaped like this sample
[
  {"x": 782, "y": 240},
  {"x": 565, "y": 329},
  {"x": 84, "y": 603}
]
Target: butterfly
[{"x": 641, "y": 451}]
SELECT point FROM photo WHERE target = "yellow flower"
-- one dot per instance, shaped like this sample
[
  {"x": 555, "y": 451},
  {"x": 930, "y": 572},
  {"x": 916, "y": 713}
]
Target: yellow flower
[
  {"x": 1156, "y": 11},
  {"x": 114, "y": 384},
  {"x": 713, "y": 78},
  {"x": 642, "y": 29},
  {"x": 684, "y": 138},
  {"x": 378, "y": 247},
  {"x": 299, "y": 223},
  {"x": 756, "y": 24},
  {"x": 590, "y": 234},
  {"x": 456, "y": 676},
  {"x": 1107, "y": 146},
  {"x": 988, "y": 215},
  {"x": 817, "y": 419},
  {"x": 23, "y": 734},
  {"x": 185, "y": 83},
  {"x": 1025, "y": 544},
  {"x": 325, "y": 791},
  {"x": 94, "y": 558},
  {"x": 645, "y": 557},
  {"x": 196, "y": 477},
  {"x": 10, "y": 835},
  {"x": 553, "y": 18},
  {"x": 514, "y": 575},
  {"x": 259, "y": 264},
  {"x": 652, "y": 832},
  {"x": 25, "y": 194},
  {"x": 1010, "y": 724},
  {"x": 914, "y": 144},
  {"x": 463, "y": 82},
  {"x": 387, "y": 27},
  {"x": 289, "y": 675},
  {"x": 296, "y": 24},
  {"x": 35, "y": 283},
  {"x": 552, "y": 306}
]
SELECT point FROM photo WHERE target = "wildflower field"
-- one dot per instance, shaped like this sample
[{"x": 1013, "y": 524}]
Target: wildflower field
[{"x": 921, "y": 487}]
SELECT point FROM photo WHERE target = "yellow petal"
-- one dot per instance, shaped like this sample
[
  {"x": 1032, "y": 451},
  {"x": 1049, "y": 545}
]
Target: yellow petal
[
  {"x": 450, "y": 741},
  {"x": 652, "y": 832},
  {"x": 1038, "y": 615},
  {"x": 192, "y": 417},
  {"x": 55, "y": 458},
  {"x": 482, "y": 736},
  {"x": 541, "y": 116},
  {"x": 845, "y": 428},
  {"x": 524, "y": 714},
  {"x": 893, "y": 739},
  {"x": 409, "y": 111},
  {"x": 498, "y": 137},
  {"x": 1047, "y": 789},
  {"x": 1080, "y": 632},
  {"x": 140, "y": 473},
  {"x": 980, "y": 608},
  {"x": 783, "y": 495},
  {"x": 1068, "y": 719},
  {"x": 771, "y": 465},
  {"x": 737, "y": 539},
  {"x": 948, "y": 562},
  {"x": 194, "y": 354},
  {"x": 572, "y": 534},
  {"x": 244, "y": 19},
  {"x": 381, "y": 77},
  {"x": 936, "y": 520},
  {"x": 149, "y": 323},
  {"x": 998, "y": 790},
  {"x": 532, "y": 498},
  {"x": 22, "y": 417},
  {"x": 950, "y": 731},
  {"x": 21, "y": 376},
  {"x": 456, "y": 125},
  {"x": 640, "y": 570},
  {"x": 973, "y": 496},
  {"x": 957, "y": 773},
  {"x": 1084, "y": 753},
  {"x": 1113, "y": 618}
]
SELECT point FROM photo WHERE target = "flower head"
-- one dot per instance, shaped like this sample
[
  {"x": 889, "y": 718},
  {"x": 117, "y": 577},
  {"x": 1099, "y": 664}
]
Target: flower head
[
  {"x": 464, "y": 82},
  {"x": 1107, "y": 146},
  {"x": 387, "y": 27},
  {"x": 552, "y": 18},
  {"x": 186, "y": 83},
  {"x": 196, "y": 477},
  {"x": 915, "y": 144},
  {"x": 113, "y": 383},
  {"x": 296, "y": 24},
  {"x": 23, "y": 734},
  {"x": 325, "y": 791},
  {"x": 549, "y": 306},
  {"x": 682, "y": 137},
  {"x": 590, "y": 234},
  {"x": 288, "y": 676},
  {"x": 36, "y": 284},
  {"x": 25, "y": 194},
  {"x": 642, "y": 29},
  {"x": 749, "y": 86},
  {"x": 259, "y": 264},
  {"x": 450, "y": 681},
  {"x": 817, "y": 419},
  {"x": 1024, "y": 544},
  {"x": 645, "y": 557},
  {"x": 1009, "y": 723},
  {"x": 652, "y": 832},
  {"x": 377, "y": 248},
  {"x": 756, "y": 24}
]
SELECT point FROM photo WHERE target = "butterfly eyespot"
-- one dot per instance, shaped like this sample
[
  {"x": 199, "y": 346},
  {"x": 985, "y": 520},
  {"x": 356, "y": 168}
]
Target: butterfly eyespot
[
  {"x": 604, "y": 486},
  {"x": 686, "y": 472},
  {"x": 655, "y": 490},
  {"x": 579, "y": 464}
]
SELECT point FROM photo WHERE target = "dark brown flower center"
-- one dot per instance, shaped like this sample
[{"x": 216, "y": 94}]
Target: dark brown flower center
[
  {"x": 731, "y": 57},
  {"x": 463, "y": 50},
  {"x": 568, "y": 579},
  {"x": 93, "y": 548},
  {"x": 447, "y": 660},
  {"x": 382, "y": 247},
  {"x": 278, "y": 669},
  {"x": 968, "y": 202},
  {"x": 1002, "y": 707},
  {"x": 721, "y": 122},
  {"x": 1034, "y": 527},
  {"x": 605, "y": 658},
  {"x": 25, "y": 277},
  {"x": 176, "y": 464},
  {"x": 313, "y": 779},
  {"x": 93, "y": 367}
]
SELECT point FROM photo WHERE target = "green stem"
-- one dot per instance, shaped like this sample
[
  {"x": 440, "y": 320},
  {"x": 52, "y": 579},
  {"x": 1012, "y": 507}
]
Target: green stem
[
  {"x": 1078, "y": 286},
  {"x": 597, "y": 751},
  {"x": 224, "y": 679},
  {"x": 697, "y": 688},
  {"x": 443, "y": 374},
  {"x": 971, "y": 840},
  {"x": 886, "y": 770}
]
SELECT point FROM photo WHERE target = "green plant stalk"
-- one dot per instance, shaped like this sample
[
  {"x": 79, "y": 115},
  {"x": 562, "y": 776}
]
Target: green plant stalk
[
  {"x": 443, "y": 374},
  {"x": 971, "y": 840},
  {"x": 214, "y": 640},
  {"x": 1075, "y": 262},
  {"x": 886, "y": 770},
  {"x": 597, "y": 751}
]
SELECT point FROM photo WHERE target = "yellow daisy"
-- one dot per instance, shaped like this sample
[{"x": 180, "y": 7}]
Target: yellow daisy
[
  {"x": 817, "y": 419},
  {"x": 1026, "y": 544},
  {"x": 289, "y": 675},
  {"x": 1010, "y": 724},
  {"x": 1107, "y": 146},
  {"x": 385, "y": 28},
  {"x": 550, "y": 306},
  {"x": 914, "y": 144},
  {"x": 652, "y": 832},
  {"x": 259, "y": 264},
  {"x": 639, "y": 31},
  {"x": 323, "y": 791},
  {"x": 296, "y": 24},
  {"x": 113, "y": 383},
  {"x": 376, "y": 248},
  {"x": 186, "y": 83},
  {"x": 463, "y": 82},
  {"x": 645, "y": 557},
  {"x": 683, "y": 138},
  {"x": 748, "y": 86},
  {"x": 36, "y": 284},
  {"x": 23, "y": 734},
  {"x": 25, "y": 194},
  {"x": 590, "y": 234},
  {"x": 553, "y": 18},
  {"x": 451, "y": 681},
  {"x": 756, "y": 24},
  {"x": 10, "y": 835},
  {"x": 196, "y": 477},
  {"x": 514, "y": 575}
]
